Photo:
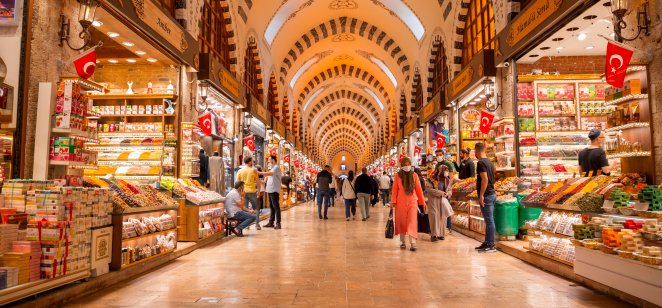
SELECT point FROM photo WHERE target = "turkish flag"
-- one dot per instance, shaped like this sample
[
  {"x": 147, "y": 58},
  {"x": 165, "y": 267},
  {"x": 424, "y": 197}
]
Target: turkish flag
[
  {"x": 287, "y": 158},
  {"x": 618, "y": 59},
  {"x": 250, "y": 142},
  {"x": 273, "y": 152},
  {"x": 486, "y": 120},
  {"x": 296, "y": 163},
  {"x": 205, "y": 123},
  {"x": 441, "y": 140},
  {"x": 402, "y": 156},
  {"x": 86, "y": 63},
  {"x": 392, "y": 163},
  {"x": 417, "y": 151}
]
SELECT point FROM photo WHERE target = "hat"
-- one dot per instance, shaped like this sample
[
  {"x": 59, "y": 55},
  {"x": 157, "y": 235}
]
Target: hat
[{"x": 594, "y": 134}]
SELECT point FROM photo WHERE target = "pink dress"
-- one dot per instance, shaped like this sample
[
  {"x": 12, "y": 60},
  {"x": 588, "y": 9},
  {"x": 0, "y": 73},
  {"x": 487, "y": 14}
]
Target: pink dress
[{"x": 406, "y": 207}]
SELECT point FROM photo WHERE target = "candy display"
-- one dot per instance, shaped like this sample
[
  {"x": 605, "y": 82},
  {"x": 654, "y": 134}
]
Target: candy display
[
  {"x": 555, "y": 222},
  {"x": 195, "y": 193},
  {"x": 466, "y": 185},
  {"x": 128, "y": 194},
  {"x": 134, "y": 227},
  {"x": 554, "y": 247},
  {"x": 138, "y": 252}
]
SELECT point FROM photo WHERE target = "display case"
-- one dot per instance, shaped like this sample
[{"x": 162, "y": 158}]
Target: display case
[
  {"x": 6, "y": 153},
  {"x": 198, "y": 222},
  {"x": 504, "y": 142},
  {"x": 190, "y": 146},
  {"x": 228, "y": 164},
  {"x": 141, "y": 234},
  {"x": 138, "y": 137}
]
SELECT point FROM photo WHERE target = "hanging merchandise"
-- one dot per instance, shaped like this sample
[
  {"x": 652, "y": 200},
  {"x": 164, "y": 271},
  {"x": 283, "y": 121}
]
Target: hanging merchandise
[{"x": 618, "y": 59}]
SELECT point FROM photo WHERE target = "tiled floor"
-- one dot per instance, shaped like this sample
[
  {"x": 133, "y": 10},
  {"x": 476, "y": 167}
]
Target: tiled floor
[{"x": 311, "y": 262}]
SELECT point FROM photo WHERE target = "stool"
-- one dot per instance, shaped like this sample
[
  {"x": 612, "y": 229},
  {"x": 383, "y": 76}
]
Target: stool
[{"x": 231, "y": 226}]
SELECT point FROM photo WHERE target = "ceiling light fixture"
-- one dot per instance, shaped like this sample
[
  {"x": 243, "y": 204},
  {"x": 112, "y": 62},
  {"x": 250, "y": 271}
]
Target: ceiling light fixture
[
  {"x": 151, "y": 60},
  {"x": 128, "y": 44},
  {"x": 559, "y": 48},
  {"x": 581, "y": 36},
  {"x": 589, "y": 47},
  {"x": 131, "y": 60},
  {"x": 97, "y": 23},
  {"x": 113, "y": 34},
  {"x": 141, "y": 53},
  {"x": 112, "y": 61}
]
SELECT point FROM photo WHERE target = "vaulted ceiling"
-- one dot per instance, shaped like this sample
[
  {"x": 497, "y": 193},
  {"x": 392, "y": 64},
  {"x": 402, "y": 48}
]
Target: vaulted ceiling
[{"x": 344, "y": 64}]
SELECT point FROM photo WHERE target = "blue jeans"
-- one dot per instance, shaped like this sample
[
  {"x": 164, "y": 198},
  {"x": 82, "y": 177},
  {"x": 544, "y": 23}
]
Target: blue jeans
[
  {"x": 323, "y": 195},
  {"x": 488, "y": 214},
  {"x": 449, "y": 222},
  {"x": 252, "y": 199},
  {"x": 246, "y": 219},
  {"x": 274, "y": 204},
  {"x": 350, "y": 207},
  {"x": 386, "y": 196}
]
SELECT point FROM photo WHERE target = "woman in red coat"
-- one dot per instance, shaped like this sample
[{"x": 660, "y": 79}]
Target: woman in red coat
[{"x": 406, "y": 196}]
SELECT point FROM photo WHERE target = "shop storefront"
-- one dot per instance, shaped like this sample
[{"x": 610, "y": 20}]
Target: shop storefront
[{"x": 256, "y": 120}]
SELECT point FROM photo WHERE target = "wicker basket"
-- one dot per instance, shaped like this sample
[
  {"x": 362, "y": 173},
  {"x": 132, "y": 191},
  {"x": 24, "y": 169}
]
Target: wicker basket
[
  {"x": 591, "y": 245},
  {"x": 576, "y": 242},
  {"x": 626, "y": 254},
  {"x": 608, "y": 250},
  {"x": 648, "y": 259},
  {"x": 647, "y": 214},
  {"x": 627, "y": 211},
  {"x": 651, "y": 236},
  {"x": 611, "y": 210}
]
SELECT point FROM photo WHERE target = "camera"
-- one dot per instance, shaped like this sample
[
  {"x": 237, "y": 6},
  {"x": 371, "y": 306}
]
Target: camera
[{"x": 506, "y": 64}]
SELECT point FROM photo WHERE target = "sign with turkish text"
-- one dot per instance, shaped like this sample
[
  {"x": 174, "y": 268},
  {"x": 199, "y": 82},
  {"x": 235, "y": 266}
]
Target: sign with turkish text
[
  {"x": 618, "y": 60},
  {"x": 480, "y": 67},
  {"x": 410, "y": 126},
  {"x": 486, "y": 120},
  {"x": 532, "y": 17}
]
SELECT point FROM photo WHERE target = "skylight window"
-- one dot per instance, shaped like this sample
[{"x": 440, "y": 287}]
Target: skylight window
[
  {"x": 312, "y": 97},
  {"x": 387, "y": 71},
  {"x": 367, "y": 90},
  {"x": 279, "y": 20},
  {"x": 407, "y": 16}
]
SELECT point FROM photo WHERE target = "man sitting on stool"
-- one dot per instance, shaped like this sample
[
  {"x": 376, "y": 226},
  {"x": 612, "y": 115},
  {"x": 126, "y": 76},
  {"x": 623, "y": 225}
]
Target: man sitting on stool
[{"x": 234, "y": 205}]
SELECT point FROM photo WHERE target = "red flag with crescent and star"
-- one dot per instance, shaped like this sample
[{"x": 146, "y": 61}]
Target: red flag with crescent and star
[
  {"x": 287, "y": 158},
  {"x": 392, "y": 163},
  {"x": 618, "y": 60},
  {"x": 296, "y": 163},
  {"x": 441, "y": 140},
  {"x": 402, "y": 156},
  {"x": 86, "y": 63},
  {"x": 273, "y": 152},
  {"x": 417, "y": 151},
  {"x": 486, "y": 120},
  {"x": 250, "y": 142},
  {"x": 205, "y": 123}
]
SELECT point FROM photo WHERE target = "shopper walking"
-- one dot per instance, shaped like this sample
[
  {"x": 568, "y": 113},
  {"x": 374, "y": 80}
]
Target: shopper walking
[
  {"x": 374, "y": 191},
  {"x": 486, "y": 197},
  {"x": 405, "y": 197},
  {"x": 439, "y": 209},
  {"x": 364, "y": 192},
  {"x": 332, "y": 189},
  {"x": 467, "y": 167},
  {"x": 286, "y": 180},
  {"x": 273, "y": 192},
  {"x": 324, "y": 181},
  {"x": 248, "y": 175},
  {"x": 593, "y": 160},
  {"x": 236, "y": 209},
  {"x": 385, "y": 188},
  {"x": 204, "y": 168},
  {"x": 349, "y": 194}
]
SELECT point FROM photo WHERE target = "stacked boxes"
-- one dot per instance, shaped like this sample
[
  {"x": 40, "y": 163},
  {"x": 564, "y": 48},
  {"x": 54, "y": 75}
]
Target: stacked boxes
[
  {"x": 19, "y": 260},
  {"x": 70, "y": 106},
  {"x": 8, "y": 277},
  {"x": 8, "y": 234},
  {"x": 34, "y": 248}
]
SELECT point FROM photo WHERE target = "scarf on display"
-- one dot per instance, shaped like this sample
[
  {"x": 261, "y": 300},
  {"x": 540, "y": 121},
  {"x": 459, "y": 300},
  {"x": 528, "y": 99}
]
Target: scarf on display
[{"x": 407, "y": 179}]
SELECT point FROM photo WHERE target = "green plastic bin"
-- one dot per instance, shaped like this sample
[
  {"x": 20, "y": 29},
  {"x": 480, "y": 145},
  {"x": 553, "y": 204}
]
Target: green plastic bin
[
  {"x": 506, "y": 217},
  {"x": 526, "y": 213}
]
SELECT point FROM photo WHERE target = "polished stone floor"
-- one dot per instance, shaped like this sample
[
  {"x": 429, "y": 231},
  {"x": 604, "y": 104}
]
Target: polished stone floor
[{"x": 311, "y": 262}]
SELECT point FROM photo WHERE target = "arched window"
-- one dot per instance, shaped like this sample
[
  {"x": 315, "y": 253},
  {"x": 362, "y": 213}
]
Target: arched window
[
  {"x": 272, "y": 97},
  {"x": 479, "y": 31},
  {"x": 286, "y": 111},
  {"x": 417, "y": 94},
  {"x": 439, "y": 71},
  {"x": 252, "y": 74},
  {"x": 214, "y": 33},
  {"x": 403, "y": 110}
]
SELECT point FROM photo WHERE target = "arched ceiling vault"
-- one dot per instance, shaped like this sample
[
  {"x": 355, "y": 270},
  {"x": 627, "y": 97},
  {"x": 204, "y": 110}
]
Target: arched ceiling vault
[
  {"x": 359, "y": 128},
  {"x": 343, "y": 112},
  {"x": 342, "y": 132}
]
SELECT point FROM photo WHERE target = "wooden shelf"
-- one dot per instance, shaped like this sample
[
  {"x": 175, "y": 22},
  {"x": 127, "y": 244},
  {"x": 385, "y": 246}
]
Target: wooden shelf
[
  {"x": 135, "y": 115},
  {"x": 549, "y": 233},
  {"x": 66, "y": 163},
  {"x": 133, "y": 96},
  {"x": 31, "y": 288},
  {"x": 149, "y": 235},
  {"x": 625, "y": 99},
  {"x": 628, "y": 126},
  {"x": 140, "y": 210},
  {"x": 558, "y": 116},
  {"x": 149, "y": 258},
  {"x": 548, "y": 257}
]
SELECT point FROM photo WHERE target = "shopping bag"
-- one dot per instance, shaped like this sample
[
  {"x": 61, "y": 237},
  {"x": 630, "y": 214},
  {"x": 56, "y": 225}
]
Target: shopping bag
[
  {"x": 390, "y": 228},
  {"x": 423, "y": 222}
]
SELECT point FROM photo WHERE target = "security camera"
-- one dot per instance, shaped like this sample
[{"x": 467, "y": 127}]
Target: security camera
[{"x": 506, "y": 64}]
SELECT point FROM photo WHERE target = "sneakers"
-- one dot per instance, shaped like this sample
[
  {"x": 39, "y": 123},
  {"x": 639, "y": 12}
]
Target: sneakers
[
  {"x": 403, "y": 246},
  {"x": 347, "y": 218},
  {"x": 257, "y": 226},
  {"x": 483, "y": 245},
  {"x": 320, "y": 216},
  {"x": 433, "y": 239},
  {"x": 441, "y": 238},
  {"x": 354, "y": 217},
  {"x": 326, "y": 217},
  {"x": 269, "y": 225},
  {"x": 277, "y": 227},
  {"x": 412, "y": 248},
  {"x": 486, "y": 249},
  {"x": 240, "y": 233}
]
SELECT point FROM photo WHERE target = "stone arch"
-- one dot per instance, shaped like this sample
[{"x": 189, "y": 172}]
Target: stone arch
[
  {"x": 337, "y": 131},
  {"x": 437, "y": 48},
  {"x": 252, "y": 66},
  {"x": 344, "y": 94},
  {"x": 272, "y": 97},
  {"x": 232, "y": 39},
  {"x": 344, "y": 25},
  {"x": 417, "y": 94}
]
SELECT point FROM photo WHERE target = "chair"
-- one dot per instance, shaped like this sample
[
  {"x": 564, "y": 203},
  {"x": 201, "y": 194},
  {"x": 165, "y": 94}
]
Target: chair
[{"x": 231, "y": 225}]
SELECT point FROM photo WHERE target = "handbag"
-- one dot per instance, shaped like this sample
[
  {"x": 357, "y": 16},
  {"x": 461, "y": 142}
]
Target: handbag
[
  {"x": 423, "y": 222},
  {"x": 390, "y": 228}
]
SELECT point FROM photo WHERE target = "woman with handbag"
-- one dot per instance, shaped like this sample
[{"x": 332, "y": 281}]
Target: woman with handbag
[
  {"x": 406, "y": 196},
  {"x": 349, "y": 194},
  {"x": 438, "y": 192}
]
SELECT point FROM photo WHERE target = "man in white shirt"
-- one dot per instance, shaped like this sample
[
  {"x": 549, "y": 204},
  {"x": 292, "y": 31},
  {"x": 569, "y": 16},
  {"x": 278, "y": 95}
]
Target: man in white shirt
[
  {"x": 385, "y": 188},
  {"x": 234, "y": 205},
  {"x": 273, "y": 191}
]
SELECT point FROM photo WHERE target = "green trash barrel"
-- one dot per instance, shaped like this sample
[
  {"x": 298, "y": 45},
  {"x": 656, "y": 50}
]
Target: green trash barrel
[
  {"x": 526, "y": 213},
  {"x": 505, "y": 217}
]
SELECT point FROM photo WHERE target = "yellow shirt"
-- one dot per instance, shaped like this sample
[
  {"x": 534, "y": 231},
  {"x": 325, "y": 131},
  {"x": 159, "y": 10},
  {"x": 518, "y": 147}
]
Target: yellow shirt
[{"x": 249, "y": 177}]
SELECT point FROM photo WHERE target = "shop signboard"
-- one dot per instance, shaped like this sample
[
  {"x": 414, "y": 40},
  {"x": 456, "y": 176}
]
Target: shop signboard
[
  {"x": 257, "y": 109},
  {"x": 162, "y": 28},
  {"x": 529, "y": 24},
  {"x": 481, "y": 66},
  {"x": 217, "y": 75},
  {"x": 290, "y": 138},
  {"x": 432, "y": 108},
  {"x": 410, "y": 126},
  {"x": 278, "y": 126}
]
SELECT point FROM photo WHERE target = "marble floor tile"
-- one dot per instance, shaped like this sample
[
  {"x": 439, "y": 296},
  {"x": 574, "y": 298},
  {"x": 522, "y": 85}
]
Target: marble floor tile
[{"x": 334, "y": 263}]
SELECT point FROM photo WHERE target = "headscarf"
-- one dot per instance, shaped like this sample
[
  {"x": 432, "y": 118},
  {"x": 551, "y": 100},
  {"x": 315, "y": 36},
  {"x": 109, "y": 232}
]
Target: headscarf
[
  {"x": 443, "y": 179},
  {"x": 407, "y": 178}
]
